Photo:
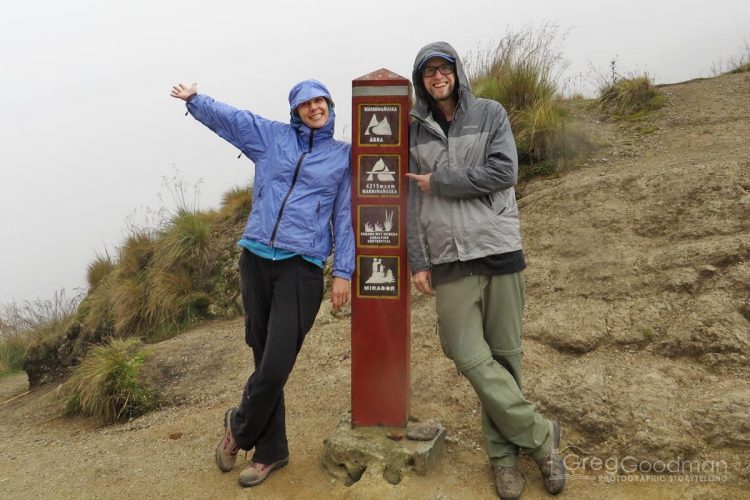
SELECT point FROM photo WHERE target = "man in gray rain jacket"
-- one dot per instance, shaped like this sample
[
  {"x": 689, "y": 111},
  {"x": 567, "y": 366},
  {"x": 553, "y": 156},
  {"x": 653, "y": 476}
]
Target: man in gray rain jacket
[{"x": 464, "y": 244}]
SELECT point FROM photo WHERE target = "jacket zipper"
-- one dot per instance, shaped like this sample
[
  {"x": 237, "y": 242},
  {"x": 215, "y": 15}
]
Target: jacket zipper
[
  {"x": 291, "y": 187},
  {"x": 317, "y": 218}
]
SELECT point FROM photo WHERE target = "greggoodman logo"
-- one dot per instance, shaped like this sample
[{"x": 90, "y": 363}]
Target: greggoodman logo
[{"x": 581, "y": 464}]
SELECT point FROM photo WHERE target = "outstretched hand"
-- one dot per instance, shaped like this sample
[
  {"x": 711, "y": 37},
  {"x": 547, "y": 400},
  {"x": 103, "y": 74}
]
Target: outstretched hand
[{"x": 182, "y": 91}]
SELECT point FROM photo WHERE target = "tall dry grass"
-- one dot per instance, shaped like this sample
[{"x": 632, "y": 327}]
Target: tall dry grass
[
  {"x": 236, "y": 203},
  {"x": 739, "y": 63},
  {"x": 32, "y": 322},
  {"x": 98, "y": 269},
  {"x": 117, "y": 304},
  {"x": 162, "y": 277},
  {"x": 522, "y": 72}
]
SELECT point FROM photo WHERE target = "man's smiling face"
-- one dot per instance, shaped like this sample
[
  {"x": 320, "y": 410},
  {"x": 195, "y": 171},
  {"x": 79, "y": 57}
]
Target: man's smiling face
[{"x": 439, "y": 86}]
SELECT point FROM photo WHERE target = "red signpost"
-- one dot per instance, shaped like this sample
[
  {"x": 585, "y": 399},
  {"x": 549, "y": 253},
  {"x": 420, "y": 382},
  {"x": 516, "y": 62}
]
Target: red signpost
[{"x": 381, "y": 323}]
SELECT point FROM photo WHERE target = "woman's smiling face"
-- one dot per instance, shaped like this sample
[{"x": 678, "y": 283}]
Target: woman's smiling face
[{"x": 314, "y": 113}]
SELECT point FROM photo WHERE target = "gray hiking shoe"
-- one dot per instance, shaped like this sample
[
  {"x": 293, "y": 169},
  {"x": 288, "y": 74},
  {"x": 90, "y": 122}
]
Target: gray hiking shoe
[
  {"x": 226, "y": 451},
  {"x": 508, "y": 482},
  {"x": 552, "y": 466},
  {"x": 256, "y": 473}
]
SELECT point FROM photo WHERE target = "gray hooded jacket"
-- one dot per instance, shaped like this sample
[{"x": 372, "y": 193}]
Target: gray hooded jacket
[{"x": 472, "y": 211}]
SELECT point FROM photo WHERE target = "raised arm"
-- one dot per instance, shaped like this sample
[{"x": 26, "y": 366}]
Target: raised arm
[{"x": 250, "y": 133}]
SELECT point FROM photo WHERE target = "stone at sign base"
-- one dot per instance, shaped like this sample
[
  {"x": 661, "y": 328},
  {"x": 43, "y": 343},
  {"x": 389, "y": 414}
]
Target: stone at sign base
[{"x": 387, "y": 451}]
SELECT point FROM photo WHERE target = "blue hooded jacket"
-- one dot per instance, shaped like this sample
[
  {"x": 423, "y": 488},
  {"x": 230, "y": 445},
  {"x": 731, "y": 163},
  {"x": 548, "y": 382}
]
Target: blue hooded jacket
[{"x": 302, "y": 177}]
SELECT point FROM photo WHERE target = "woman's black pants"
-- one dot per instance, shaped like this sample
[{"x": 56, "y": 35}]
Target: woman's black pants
[{"x": 281, "y": 299}]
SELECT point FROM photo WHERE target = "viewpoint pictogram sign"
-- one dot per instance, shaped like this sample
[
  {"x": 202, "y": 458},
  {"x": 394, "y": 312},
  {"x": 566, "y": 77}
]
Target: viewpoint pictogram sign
[
  {"x": 381, "y": 328},
  {"x": 379, "y": 124}
]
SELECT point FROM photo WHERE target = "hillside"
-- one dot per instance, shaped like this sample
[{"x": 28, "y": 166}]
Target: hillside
[{"x": 637, "y": 339}]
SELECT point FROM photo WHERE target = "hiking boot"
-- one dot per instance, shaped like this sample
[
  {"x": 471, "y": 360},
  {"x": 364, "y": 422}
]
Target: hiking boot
[
  {"x": 508, "y": 482},
  {"x": 226, "y": 451},
  {"x": 552, "y": 466},
  {"x": 256, "y": 473}
]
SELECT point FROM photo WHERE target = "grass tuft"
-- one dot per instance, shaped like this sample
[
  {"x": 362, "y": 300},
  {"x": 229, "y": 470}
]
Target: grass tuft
[
  {"x": 12, "y": 350},
  {"x": 136, "y": 252},
  {"x": 95, "y": 312},
  {"x": 630, "y": 98},
  {"x": 106, "y": 384},
  {"x": 184, "y": 242},
  {"x": 102, "y": 266},
  {"x": 539, "y": 127},
  {"x": 236, "y": 203},
  {"x": 127, "y": 304}
]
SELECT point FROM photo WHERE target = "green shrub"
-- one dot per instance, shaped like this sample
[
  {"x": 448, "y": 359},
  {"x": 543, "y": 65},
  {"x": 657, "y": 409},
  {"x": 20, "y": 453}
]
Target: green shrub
[
  {"x": 630, "y": 97},
  {"x": 541, "y": 169},
  {"x": 12, "y": 351},
  {"x": 106, "y": 384}
]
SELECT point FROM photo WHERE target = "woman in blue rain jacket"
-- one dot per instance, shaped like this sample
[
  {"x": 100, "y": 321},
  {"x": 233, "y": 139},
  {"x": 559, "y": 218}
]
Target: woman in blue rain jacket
[{"x": 301, "y": 207}]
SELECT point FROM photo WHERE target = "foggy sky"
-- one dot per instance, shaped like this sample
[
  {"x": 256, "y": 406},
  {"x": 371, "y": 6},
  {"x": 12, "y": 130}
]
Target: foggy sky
[{"x": 89, "y": 131}]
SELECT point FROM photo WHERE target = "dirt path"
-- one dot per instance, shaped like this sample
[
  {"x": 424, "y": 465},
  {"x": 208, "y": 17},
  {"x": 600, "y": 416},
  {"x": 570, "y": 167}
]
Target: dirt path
[
  {"x": 44, "y": 455},
  {"x": 636, "y": 338}
]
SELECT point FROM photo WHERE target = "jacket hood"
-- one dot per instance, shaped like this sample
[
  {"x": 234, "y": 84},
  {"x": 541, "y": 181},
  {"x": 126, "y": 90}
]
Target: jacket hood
[
  {"x": 304, "y": 91},
  {"x": 437, "y": 49}
]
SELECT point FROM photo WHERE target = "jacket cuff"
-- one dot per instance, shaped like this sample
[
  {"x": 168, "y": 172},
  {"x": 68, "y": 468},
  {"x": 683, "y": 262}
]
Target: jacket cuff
[
  {"x": 434, "y": 183},
  {"x": 342, "y": 274},
  {"x": 415, "y": 271}
]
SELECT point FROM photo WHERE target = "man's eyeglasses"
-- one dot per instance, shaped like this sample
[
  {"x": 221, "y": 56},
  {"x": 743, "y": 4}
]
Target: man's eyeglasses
[{"x": 445, "y": 69}]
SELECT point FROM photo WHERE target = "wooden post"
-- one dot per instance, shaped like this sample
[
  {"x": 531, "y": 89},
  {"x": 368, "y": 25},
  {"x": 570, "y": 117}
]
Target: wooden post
[{"x": 381, "y": 323}]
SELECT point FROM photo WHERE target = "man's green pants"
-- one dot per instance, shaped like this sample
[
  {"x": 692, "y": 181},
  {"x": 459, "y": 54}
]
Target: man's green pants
[{"x": 479, "y": 320}]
